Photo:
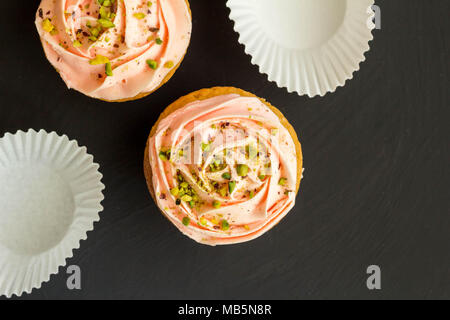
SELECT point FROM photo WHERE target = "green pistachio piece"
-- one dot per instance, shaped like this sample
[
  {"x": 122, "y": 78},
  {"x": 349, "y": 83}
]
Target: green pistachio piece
[
  {"x": 282, "y": 181},
  {"x": 223, "y": 191},
  {"x": 99, "y": 60},
  {"x": 104, "y": 12},
  {"x": 226, "y": 176},
  {"x": 95, "y": 32},
  {"x": 139, "y": 15},
  {"x": 224, "y": 225},
  {"x": 47, "y": 25},
  {"x": 184, "y": 185},
  {"x": 242, "y": 170},
  {"x": 169, "y": 64},
  {"x": 108, "y": 69},
  {"x": 217, "y": 204},
  {"x": 163, "y": 156},
  {"x": 186, "y": 221},
  {"x": 105, "y": 23},
  {"x": 186, "y": 198},
  {"x": 252, "y": 152},
  {"x": 152, "y": 64},
  {"x": 174, "y": 191},
  {"x": 205, "y": 147},
  {"x": 231, "y": 186}
]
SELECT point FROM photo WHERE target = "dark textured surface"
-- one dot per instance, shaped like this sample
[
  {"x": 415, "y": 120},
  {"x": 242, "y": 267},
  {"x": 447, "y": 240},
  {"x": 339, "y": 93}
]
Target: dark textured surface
[{"x": 376, "y": 156}]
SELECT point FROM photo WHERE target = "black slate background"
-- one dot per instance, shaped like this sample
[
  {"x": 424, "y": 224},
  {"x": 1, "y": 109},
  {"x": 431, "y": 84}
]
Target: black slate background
[{"x": 376, "y": 153}]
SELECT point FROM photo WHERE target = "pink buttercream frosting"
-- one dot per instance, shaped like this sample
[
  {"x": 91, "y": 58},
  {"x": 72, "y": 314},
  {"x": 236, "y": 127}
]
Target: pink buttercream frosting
[
  {"x": 206, "y": 146},
  {"x": 141, "y": 40}
]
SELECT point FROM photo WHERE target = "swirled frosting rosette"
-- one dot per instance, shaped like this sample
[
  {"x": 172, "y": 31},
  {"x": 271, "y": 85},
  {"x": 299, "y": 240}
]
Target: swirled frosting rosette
[
  {"x": 114, "y": 50},
  {"x": 223, "y": 165}
]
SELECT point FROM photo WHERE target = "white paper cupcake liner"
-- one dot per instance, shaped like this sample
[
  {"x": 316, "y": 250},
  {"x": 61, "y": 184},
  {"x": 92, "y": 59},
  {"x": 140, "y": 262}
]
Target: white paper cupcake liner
[
  {"x": 307, "y": 46},
  {"x": 50, "y": 197}
]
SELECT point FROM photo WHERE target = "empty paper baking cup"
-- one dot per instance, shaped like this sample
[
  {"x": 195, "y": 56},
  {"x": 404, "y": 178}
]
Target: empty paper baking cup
[
  {"x": 308, "y": 46},
  {"x": 50, "y": 195}
]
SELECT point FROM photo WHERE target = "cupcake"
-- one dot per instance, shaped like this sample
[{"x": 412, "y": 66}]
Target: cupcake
[
  {"x": 115, "y": 50},
  {"x": 223, "y": 165}
]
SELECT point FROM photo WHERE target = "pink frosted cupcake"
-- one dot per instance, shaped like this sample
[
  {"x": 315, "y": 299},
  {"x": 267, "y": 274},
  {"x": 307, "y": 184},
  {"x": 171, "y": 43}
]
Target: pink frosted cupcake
[
  {"x": 223, "y": 165},
  {"x": 115, "y": 50}
]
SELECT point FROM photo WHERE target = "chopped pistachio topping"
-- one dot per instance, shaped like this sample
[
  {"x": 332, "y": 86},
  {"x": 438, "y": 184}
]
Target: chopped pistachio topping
[
  {"x": 217, "y": 204},
  {"x": 149, "y": 4},
  {"x": 216, "y": 166},
  {"x": 163, "y": 155},
  {"x": 139, "y": 15},
  {"x": 205, "y": 147},
  {"x": 108, "y": 69},
  {"x": 169, "y": 64},
  {"x": 152, "y": 64},
  {"x": 224, "y": 225},
  {"x": 174, "y": 191},
  {"x": 105, "y": 23},
  {"x": 226, "y": 176},
  {"x": 231, "y": 186},
  {"x": 158, "y": 41},
  {"x": 282, "y": 181},
  {"x": 95, "y": 32},
  {"x": 186, "y": 221},
  {"x": 261, "y": 177},
  {"x": 242, "y": 170},
  {"x": 252, "y": 194},
  {"x": 77, "y": 44},
  {"x": 103, "y": 12},
  {"x": 251, "y": 151},
  {"x": 47, "y": 25},
  {"x": 203, "y": 221},
  {"x": 186, "y": 198},
  {"x": 223, "y": 191},
  {"x": 99, "y": 60}
]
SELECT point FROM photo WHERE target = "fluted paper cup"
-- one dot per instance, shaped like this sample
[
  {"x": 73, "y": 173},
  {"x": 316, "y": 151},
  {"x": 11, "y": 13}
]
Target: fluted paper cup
[
  {"x": 50, "y": 197},
  {"x": 307, "y": 46}
]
